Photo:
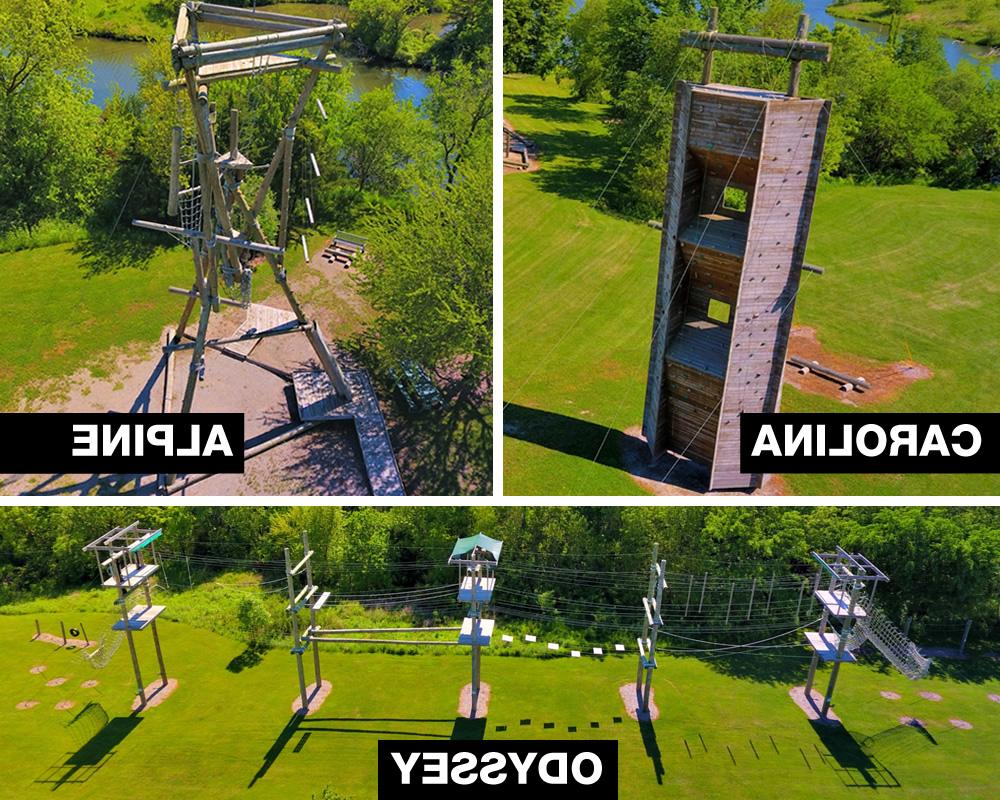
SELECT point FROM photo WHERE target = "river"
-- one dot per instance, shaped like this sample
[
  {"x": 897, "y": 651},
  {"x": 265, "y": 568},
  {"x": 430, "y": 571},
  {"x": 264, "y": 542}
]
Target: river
[
  {"x": 953, "y": 51},
  {"x": 112, "y": 63}
]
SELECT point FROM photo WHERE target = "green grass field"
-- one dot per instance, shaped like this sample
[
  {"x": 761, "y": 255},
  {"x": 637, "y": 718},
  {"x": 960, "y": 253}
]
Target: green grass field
[
  {"x": 727, "y": 727},
  {"x": 908, "y": 276},
  {"x": 976, "y": 21},
  {"x": 72, "y": 310}
]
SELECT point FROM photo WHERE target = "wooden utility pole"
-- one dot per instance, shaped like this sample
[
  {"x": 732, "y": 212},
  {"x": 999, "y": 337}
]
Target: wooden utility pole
[{"x": 651, "y": 623}]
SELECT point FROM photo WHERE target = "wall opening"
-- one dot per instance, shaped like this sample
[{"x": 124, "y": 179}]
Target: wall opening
[{"x": 734, "y": 199}]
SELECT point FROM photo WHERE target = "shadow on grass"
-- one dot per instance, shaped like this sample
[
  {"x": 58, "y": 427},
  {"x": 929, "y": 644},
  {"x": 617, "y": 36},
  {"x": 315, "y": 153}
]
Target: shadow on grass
[
  {"x": 310, "y": 726},
  {"x": 648, "y": 734},
  {"x": 855, "y": 766},
  {"x": 763, "y": 667},
  {"x": 574, "y": 162},
  {"x": 251, "y": 656},
  {"x": 595, "y": 443},
  {"x": 80, "y": 767},
  {"x": 974, "y": 669},
  {"x": 469, "y": 730},
  {"x": 105, "y": 252}
]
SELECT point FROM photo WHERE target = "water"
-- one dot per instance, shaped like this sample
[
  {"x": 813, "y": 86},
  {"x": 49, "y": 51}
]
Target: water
[
  {"x": 112, "y": 63},
  {"x": 953, "y": 51}
]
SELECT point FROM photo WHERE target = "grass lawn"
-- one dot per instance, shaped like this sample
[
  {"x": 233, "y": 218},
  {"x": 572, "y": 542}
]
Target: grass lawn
[
  {"x": 58, "y": 315},
  {"x": 976, "y": 21},
  {"x": 727, "y": 727},
  {"x": 908, "y": 275}
]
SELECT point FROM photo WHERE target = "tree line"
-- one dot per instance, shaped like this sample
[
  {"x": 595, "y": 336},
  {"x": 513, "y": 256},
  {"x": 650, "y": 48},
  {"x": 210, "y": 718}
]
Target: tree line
[
  {"x": 900, "y": 113},
  {"x": 943, "y": 563}
]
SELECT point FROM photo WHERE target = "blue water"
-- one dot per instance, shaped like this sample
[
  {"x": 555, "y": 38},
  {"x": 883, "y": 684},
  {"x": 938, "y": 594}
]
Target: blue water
[
  {"x": 953, "y": 51},
  {"x": 112, "y": 63}
]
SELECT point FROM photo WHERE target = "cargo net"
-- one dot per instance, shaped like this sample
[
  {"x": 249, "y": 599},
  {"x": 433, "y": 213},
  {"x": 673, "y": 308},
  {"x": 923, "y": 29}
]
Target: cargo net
[
  {"x": 101, "y": 656},
  {"x": 878, "y": 629},
  {"x": 189, "y": 204}
]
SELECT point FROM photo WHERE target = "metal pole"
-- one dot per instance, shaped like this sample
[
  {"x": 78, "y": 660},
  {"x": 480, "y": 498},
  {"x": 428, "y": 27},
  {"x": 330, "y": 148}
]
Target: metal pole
[
  {"x": 85, "y": 637},
  {"x": 63, "y": 626},
  {"x": 312, "y": 611},
  {"x": 660, "y": 582},
  {"x": 687, "y": 604},
  {"x": 297, "y": 643},
  {"x": 732, "y": 588},
  {"x": 965, "y": 636},
  {"x": 770, "y": 591},
  {"x": 187, "y": 559},
  {"x": 753, "y": 590},
  {"x": 128, "y": 629},
  {"x": 156, "y": 635},
  {"x": 704, "y": 583},
  {"x": 474, "y": 611},
  {"x": 845, "y": 632},
  {"x": 798, "y": 608}
]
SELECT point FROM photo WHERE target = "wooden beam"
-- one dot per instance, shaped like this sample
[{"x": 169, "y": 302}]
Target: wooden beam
[
  {"x": 713, "y": 25},
  {"x": 249, "y": 13},
  {"x": 252, "y": 51},
  {"x": 756, "y": 45},
  {"x": 800, "y": 35},
  {"x": 298, "y": 328},
  {"x": 175, "y": 170},
  {"x": 183, "y": 24},
  {"x": 265, "y": 65},
  {"x": 234, "y": 241},
  {"x": 843, "y": 377},
  {"x": 290, "y": 40},
  {"x": 193, "y": 293},
  {"x": 232, "y": 20}
]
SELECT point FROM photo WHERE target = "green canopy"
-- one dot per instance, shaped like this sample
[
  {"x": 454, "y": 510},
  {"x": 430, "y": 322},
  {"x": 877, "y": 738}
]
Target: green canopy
[{"x": 470, "y": 543}]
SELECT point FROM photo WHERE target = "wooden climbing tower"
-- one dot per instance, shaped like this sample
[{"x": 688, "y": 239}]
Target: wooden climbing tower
[
  {"x": 207, "y": 210},
  {"x": 744, "y": 165}
]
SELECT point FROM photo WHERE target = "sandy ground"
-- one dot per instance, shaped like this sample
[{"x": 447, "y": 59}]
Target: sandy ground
[
  {"x": 49, "y": 638},
  {"x": 56, "y": 682},
  {"x": 64, "y": 705},
  {"x": 631, "y": 700},
  {"x": 24, "y": 705},
  {"x": 38, "y": 669},
  {"x": 316, "y": 699},
  {"x": 812, "y": 705},
  {"x": 961, "y": 724},
  {"x": 482, "y": 704},
  {"x": 677, "y": 477},
  {"x": 891, "y": 695},
  {"x": 156, "y": 693},
  {"x": 887, "y": 380},
  {"x": 934, "y": 697}
]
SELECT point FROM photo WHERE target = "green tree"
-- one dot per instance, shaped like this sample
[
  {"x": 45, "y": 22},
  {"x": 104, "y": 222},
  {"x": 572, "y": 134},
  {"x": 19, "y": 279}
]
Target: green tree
[
  {"x": 383, "y": 143},
  {"x": 533, "y": 32},
  {"x": 429, "y": 275},
  {"x": 253, "y": 618},
  {"x": 584, "y": 58},
  {"x": 469, "y": 36},
  {"x": 50, "y": 165},
  {"x": 379, "y": 25},
  {"x": 460, "y": 108}
]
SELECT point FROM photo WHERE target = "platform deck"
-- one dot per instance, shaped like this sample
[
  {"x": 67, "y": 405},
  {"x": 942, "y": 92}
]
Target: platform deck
[{"x": 259, "y": 318}]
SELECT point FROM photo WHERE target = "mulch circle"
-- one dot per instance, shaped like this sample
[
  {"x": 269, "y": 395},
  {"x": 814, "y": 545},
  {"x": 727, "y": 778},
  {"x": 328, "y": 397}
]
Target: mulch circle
[
  {"x": 38, "y": 669},
  {"x": 994, "y": 697},
  {"x": 89, "y": 684},
  {"x": 56, "y": 682},
  {"x": 961, "y": 724},
  {"x": 64, "y": 705},
  {"x": 891, "y": 695},
  {"x": 934, "y": 697},
  {"x": 24, "y": 705}
]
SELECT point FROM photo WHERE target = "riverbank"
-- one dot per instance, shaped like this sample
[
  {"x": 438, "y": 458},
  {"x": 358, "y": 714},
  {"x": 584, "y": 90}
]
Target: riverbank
[
  {"x": 970, "y": 21},
  {"x": 153, "y": 20}
]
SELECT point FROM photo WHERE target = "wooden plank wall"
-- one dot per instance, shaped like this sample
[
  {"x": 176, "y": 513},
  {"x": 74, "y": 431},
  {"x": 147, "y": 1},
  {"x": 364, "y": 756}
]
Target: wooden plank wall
[
  {"x": 655, "y": 389},
  {"x": 691, "y": 411},
  {"x": 792, "y": 147},
  {"x": 720, "y": 123}
]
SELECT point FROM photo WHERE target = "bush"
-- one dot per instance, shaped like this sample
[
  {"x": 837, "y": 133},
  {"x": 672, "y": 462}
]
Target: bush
[{"x": 46, "y": 233}]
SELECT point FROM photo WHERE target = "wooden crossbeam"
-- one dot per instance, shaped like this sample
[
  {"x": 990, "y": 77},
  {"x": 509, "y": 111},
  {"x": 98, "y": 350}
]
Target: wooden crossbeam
[
  {"x": 240, "y": 68},
  {"x": 236, "y": 52},
  {"x": 235, "y": 241},
  {"x": 200, "y": 9},
  {"x": 794, "y": 50}
]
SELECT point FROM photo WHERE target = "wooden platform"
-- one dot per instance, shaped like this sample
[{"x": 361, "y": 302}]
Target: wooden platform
[
  {"x": 485, "y": 632},
  {"x": 702, "y": 345},
  {"x": 139, "y": 618},
  {"x": 133, "y": 576},
  {"x": 838, "y": 603},
  {"x": 259, "y": 318},
  {"x": 716, "y": 232},
  {"x": 318, "y": 402},
  {"x": 484, "y": 589},
  {"x": 826, "y": 645}
]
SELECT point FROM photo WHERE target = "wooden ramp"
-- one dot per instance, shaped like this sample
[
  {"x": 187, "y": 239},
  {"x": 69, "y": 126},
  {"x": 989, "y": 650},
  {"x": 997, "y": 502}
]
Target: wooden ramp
[
  {"x": 317, "y": 402},
  {"x": 259, "y": 318}
]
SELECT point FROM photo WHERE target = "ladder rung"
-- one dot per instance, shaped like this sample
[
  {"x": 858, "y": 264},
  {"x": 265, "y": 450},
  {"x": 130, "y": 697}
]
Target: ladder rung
[{"x": 305, "y": 560}]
